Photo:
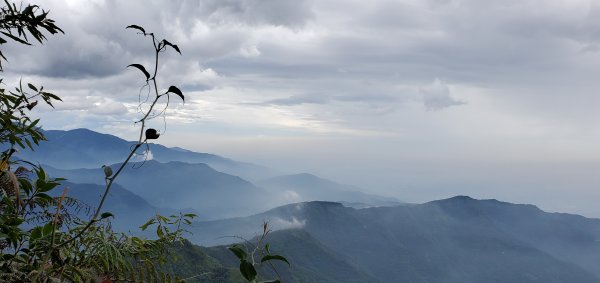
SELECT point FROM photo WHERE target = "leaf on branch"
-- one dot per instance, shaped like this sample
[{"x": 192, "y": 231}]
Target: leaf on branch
[
  {"x": 247, "y": 270},
  {"x": 176, "y": 90},
  {"x": 48, "y": 229},
  {"x": 238, "y": 251},
  {"x": 31, "y": 105},
  {"x": 50, "y": 95},
  {"x": 106, "y": 215},
  {"x": 159, "y": 232},
  {"x": 107, "y": 171},
  {"x": 150, "y": 222},
  {"x": 152, "y": 134},
  {"x": 36, "y": 233},
  {"x": 141, "y": 68},
  {"x": 16, "y": 38},
  {"x": 32, "y": 87},
  {"x": 137, "y": 27},
  {"x": 165, "y": 42},
  {"x": 274, "y": 257}
]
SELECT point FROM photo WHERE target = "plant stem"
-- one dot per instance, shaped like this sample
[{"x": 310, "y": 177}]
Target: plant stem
[{"x": 141, "y": 141}]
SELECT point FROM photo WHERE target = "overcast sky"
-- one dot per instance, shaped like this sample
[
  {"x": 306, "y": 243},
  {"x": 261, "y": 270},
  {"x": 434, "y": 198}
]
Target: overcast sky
[{"x": 414, "y": 99}]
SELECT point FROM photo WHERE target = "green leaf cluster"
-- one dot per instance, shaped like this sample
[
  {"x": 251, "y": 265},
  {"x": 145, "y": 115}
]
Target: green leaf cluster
[{"x": 248, "y": 264}]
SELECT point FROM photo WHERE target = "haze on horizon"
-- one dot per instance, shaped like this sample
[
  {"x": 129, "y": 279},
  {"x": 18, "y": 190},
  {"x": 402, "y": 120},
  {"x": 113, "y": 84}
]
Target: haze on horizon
[{"x": 419, "y": 100}]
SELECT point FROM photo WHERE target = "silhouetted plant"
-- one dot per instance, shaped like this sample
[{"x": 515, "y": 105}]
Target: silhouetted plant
[
  {"x": 145, "y": 133},
  {"x": 41, "y": 239}
]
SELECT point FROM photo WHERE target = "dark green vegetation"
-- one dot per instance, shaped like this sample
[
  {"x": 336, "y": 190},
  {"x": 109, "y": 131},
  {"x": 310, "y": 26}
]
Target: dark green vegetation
[{"x": 312, "y": 262}]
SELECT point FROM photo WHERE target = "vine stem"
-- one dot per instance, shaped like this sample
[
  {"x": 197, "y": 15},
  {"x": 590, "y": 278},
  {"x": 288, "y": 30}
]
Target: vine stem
[{"x": 141, "y": 141}]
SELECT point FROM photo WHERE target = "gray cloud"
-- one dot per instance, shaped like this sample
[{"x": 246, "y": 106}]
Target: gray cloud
[
  {"x": 326, "y": 98},
  {"x": 295, "y": 100},
  {"x": 273, "y": 12},
  {"x": 303, "y": 78},
  {"x": 437, "y": 96}
]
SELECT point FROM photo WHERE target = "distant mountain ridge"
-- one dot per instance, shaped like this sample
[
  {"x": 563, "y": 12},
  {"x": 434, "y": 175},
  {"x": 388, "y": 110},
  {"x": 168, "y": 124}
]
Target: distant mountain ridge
[
  {"x": 129, "y": 210},
  {"x": 180, "y": 185},
  {"x": 84, "y": 148},
  {"x": 215, "y": 186},
  {"x": 453, "y": 240}
]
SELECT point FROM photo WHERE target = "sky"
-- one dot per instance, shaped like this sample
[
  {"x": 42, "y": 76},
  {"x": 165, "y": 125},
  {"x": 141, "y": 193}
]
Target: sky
[{"x": 418, "y": 100}]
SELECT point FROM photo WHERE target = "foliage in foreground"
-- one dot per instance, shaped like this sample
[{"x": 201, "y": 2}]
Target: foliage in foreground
[{"x": 42, "y": 237}]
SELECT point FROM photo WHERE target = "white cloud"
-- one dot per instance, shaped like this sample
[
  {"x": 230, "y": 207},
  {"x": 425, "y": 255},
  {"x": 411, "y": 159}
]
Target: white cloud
[
  {"x": 280, "y": 224},
  {"x": 290, "y": 196}
]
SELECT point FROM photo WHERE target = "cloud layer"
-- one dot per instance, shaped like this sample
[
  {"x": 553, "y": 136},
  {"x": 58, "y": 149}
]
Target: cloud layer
[{"x": 349, "y": 89}]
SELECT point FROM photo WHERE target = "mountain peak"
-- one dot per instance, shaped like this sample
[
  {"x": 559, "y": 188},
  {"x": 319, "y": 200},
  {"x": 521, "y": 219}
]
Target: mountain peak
[
  {"x": 302, "y": 176},
  {"x": 465, "y": 206},
  {"x": 460, "y": 198}
]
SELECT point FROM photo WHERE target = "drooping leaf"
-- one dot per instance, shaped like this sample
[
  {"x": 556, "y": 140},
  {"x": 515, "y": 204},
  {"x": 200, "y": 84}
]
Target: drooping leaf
[
  {"x": 165, "y": 42},
  {"x": 50, "y": 95},
  {"x": 152, "y": 134},
  {"x": 274, "y": 257},
  {"x": 48, "y": 229},
  {"x": 32, "y": 87},
  {"x": 137, "y": 27},
  {"x": 247, "y": 270},
  {"x": 150, "y": 222},
  {"x": 141, "y": 68},
  {"x": 31, "y": 105},
  {"x": 16, "y": 38},
  {"x": 106, "y": 215},
  {"x": 238, "y": 251},
  {"x": 36, "y": 233},
  {"x": 159, "y": 232},
  {"x": 176, "y": 90}
]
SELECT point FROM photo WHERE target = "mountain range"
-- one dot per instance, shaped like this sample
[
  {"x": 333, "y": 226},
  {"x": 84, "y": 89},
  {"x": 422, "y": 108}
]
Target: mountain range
[
  {"x": 180, "y": 185},
  {"x": 83, "y": 148},
  {"x": 331, "y": 232},
  {"x": 453, "y": 240},
  {"x": 175, "y": 178}
]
